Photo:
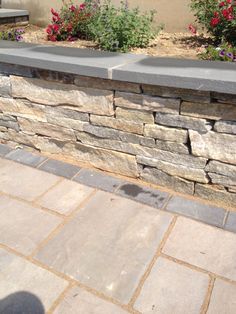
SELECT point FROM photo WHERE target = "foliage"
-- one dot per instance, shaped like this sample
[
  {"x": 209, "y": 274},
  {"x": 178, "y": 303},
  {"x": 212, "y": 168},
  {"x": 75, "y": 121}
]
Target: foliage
[
  {"x": 223, "y": 53},
  {"x": 12, "y": 34},
  {"x": 121, "y": 28},
  {"x": 218, "y": 18}
]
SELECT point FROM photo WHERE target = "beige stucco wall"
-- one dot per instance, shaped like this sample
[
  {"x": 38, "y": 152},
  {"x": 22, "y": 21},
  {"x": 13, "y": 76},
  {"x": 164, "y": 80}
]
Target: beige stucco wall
[{"x": 175, "y": 14}]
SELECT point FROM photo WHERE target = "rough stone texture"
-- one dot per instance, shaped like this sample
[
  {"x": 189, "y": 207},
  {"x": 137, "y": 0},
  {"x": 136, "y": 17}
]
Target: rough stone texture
[
  {"x": 213, "y": 145},
  {"x": 159, "y": 177},
  {"x": 46, "y": 129},
  {"x": 68, "y": 113},
  {"x": 172, "y": 288},
  {"x": 185, "y": 172},
  {"x": 134, "y": 115},
  {"x": 196, "y": 124},
  {"x": 195, "y": 243},
  {"x": 93, "y": 248},
  {"x": 222, "y": 180},
  {"x": 172, "y": 147},
  {"x": 29, "y": 227},
  {"x": 146, "y": 141},
  {"x": 8, "y": 121},
  {"x": 98, "y": 83},
  {"x": 5, "y": 86},
  {"x": 143, "y": 102},
  {"x": 226, "y": 126},
  {"x": 81, "y": 301},
  {"x": 215, "y": 194},
  {"x": 223, "y": 298},
  {"x": 66, "y": 123},
  {"x": 225, "y": 98},
  {"x": 221, "y": 168},
  {"x": 185, "y": 94},
  {"x": 65, "y": 197},
  {"x": 214, "y": 110},
  {"x": 22, "y": 286},
  {"x": 165, "y": 133},
  {"x": 119, "y": 124},
  {"x": 58, "y": 94},
  {"x": 104, "y": 159}
]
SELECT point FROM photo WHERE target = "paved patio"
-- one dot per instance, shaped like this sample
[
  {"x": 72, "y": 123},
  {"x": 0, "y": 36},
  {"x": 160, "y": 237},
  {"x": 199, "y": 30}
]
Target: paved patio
[{"x": 74, "y": 240}]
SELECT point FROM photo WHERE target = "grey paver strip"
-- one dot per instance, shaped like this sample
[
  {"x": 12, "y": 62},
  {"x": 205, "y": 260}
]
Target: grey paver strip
[
  {"x": 24, "y": 227},
  {"x": 209, "y": 214},
  {"x": 65, "y": 197},
  {"x": 146, "y": 195},
  {"x": 4, "y": 150},
  {"x": 231, "y": 222},
  {"x": 25, "y": 287},
  {"x": 98, "y": 180},
  {"x": 25, "y": 157},
  {"x": 223, "y": 298},
  {"x": 204, "y": 246},
  {"x": 108, "y": 245},
  {"x": 60, "y": 168},
  {"x": 172, "y": 288},
  {"x": 24, "y": 182},
  {"x": 80, "y": 301}
]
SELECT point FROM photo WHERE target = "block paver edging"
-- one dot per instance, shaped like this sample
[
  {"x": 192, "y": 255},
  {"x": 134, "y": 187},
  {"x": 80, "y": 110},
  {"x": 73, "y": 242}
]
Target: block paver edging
[{"x": 140, "y": 193}]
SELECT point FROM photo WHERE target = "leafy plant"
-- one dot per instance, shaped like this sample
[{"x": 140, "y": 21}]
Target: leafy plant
[
  {"x": 224, "y": 52},
  {"x": 12, "y": 34}
]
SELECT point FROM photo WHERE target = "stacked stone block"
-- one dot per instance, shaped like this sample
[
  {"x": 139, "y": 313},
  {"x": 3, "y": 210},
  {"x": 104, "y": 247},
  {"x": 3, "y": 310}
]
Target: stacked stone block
[{"x": 181, "y": 139}]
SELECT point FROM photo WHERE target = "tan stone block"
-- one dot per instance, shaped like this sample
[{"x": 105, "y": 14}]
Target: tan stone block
[
  {"x": 226, "y": 126},
  {"x": 165, "y": 133},
  {"x": 134, "y": 115}
]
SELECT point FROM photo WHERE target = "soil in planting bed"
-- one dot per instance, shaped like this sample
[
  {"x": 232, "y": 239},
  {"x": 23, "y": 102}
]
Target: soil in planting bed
[{"x": 179, "y": 45}]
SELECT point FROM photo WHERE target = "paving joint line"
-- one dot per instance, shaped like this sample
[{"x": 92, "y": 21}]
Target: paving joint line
[{"x": 205, "y": 305}]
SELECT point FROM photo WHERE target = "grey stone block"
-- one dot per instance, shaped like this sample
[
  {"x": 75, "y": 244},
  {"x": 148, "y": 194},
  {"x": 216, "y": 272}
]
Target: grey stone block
[
  {"x": 4, "y": 150},
  {"x": 98, "y": 180},
  {"x": 13, "y": 13},
  {"x": 60, "y": 168},
  {"x": 191, "y": 208},
  {"x": 146, "y": 195},
  {"x": 25, "y": 157},
  {"x": 231, "y": 222}
]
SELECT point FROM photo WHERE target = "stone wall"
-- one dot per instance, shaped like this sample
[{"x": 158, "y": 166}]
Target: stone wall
[{"x": 181, "y": 139}]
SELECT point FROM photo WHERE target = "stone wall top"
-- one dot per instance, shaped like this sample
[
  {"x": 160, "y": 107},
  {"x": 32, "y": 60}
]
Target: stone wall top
[{"x": 177, "y": 73}]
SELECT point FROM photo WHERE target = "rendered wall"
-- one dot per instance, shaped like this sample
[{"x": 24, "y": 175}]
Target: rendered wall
[{"x": 174, "y": 14}]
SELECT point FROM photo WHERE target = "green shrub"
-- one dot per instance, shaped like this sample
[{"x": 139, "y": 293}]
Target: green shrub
[{"x": 12, "y": 34}]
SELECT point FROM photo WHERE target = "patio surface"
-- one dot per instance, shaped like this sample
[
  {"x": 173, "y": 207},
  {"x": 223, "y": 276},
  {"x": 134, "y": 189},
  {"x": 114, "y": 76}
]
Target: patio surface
[{"x": 75, "y": 240}]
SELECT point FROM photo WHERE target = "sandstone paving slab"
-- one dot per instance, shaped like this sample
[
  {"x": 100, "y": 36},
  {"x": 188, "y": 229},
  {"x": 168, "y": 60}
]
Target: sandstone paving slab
[
  {"x": 108, "y": 245},
  {"x": 212, "y": 215},
  {"x": 204, "y": 246},
  {"x": 65, "y": 196},
  {"x": 231, "y": 222},
  {"x": 79, "y": 301},
  {"x": 25, "y": 157},
  {"x": 23, "y": 227},
  {"x": 172, "y": 288},
  {"x": 60, "y": 168},
  {"x": 23, "y": 286},
  {"x": 223, "y": 298},
  {"x": 24, "y": 182}
]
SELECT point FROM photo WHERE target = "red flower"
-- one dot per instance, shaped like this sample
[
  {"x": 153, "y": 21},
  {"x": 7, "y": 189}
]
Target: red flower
[
  {"x": 229, "y": 1},
  {"x": 72, "y": 8},
  {"x": 52, "y": 38},
  {"x": 192, "y": 29},
  {"x": 82, "y": 6},
  {"x": 216, "y": 14},
  {"x": 215, "y": 21},
  {"x": 54, "y": 12},
  {"x": 55, "y": 28},
  {"x": 225, "y": 13},
  {"x": 221, "y": 4}
]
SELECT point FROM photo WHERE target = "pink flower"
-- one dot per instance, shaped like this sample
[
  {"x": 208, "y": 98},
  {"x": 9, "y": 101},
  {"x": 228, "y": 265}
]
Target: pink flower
[
  {"x": 192, "y": 29},
  {"x": 72, "y": 8},
  {"x": 215, "y": 21},
  {"x": 82, "y": 6}
]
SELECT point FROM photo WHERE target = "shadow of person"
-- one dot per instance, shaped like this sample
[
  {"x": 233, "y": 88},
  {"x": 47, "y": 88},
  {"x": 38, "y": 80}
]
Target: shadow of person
[{"x": 21, "y": 303}]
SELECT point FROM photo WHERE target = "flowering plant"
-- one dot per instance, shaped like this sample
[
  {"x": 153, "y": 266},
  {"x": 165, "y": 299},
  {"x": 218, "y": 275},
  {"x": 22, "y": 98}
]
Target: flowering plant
[
  {"x": 12, "y": 35},
  {"x": 224, "y": 52}
]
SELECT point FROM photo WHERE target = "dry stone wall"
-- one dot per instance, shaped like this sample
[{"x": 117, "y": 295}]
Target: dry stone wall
[{"x": 181, "y": 139}]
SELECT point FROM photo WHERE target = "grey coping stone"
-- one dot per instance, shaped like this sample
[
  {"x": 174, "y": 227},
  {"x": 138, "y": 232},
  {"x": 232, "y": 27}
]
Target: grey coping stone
[
  {"x": 209, "y": 214},
  {"x": 98, "y": 180},
  {"x": 64, "y": 59},
  {"x": 26, "y": 158},
  {"x": 143, "y": 194},
  {"x": 189, "y": 74},
  {"x": 60, "y": 168},
  {"x": 4, "y": 150},
  {"x": 231, "y": 222},
  {"x": 12, "y": 13}
]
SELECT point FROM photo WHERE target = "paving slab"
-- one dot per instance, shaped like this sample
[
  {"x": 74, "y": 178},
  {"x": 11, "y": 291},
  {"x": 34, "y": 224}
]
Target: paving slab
[
  {"x": 60, "y": 168},
  {"x": 65, "y": 197},
  {"x": 25, "y": 287},
  {"x": 146, "y": 195},
  {"x": 98, "y": 180},
  {"x": 24, "y": 227},
  {"x": 24, "y": 182},
  {"x": 4, "y": 150},
  {"x": 25, "y": 157},
  {"x": 108, "y": 245},
  {"x": 209, "y": 214},
  {"x": 204, "y": 246},
  {"x": 223, "y": 298},
  {"x": 80, "y": 301},
  {"x": 172, "y": 288},
  {"x": 231, "y": 222}
]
